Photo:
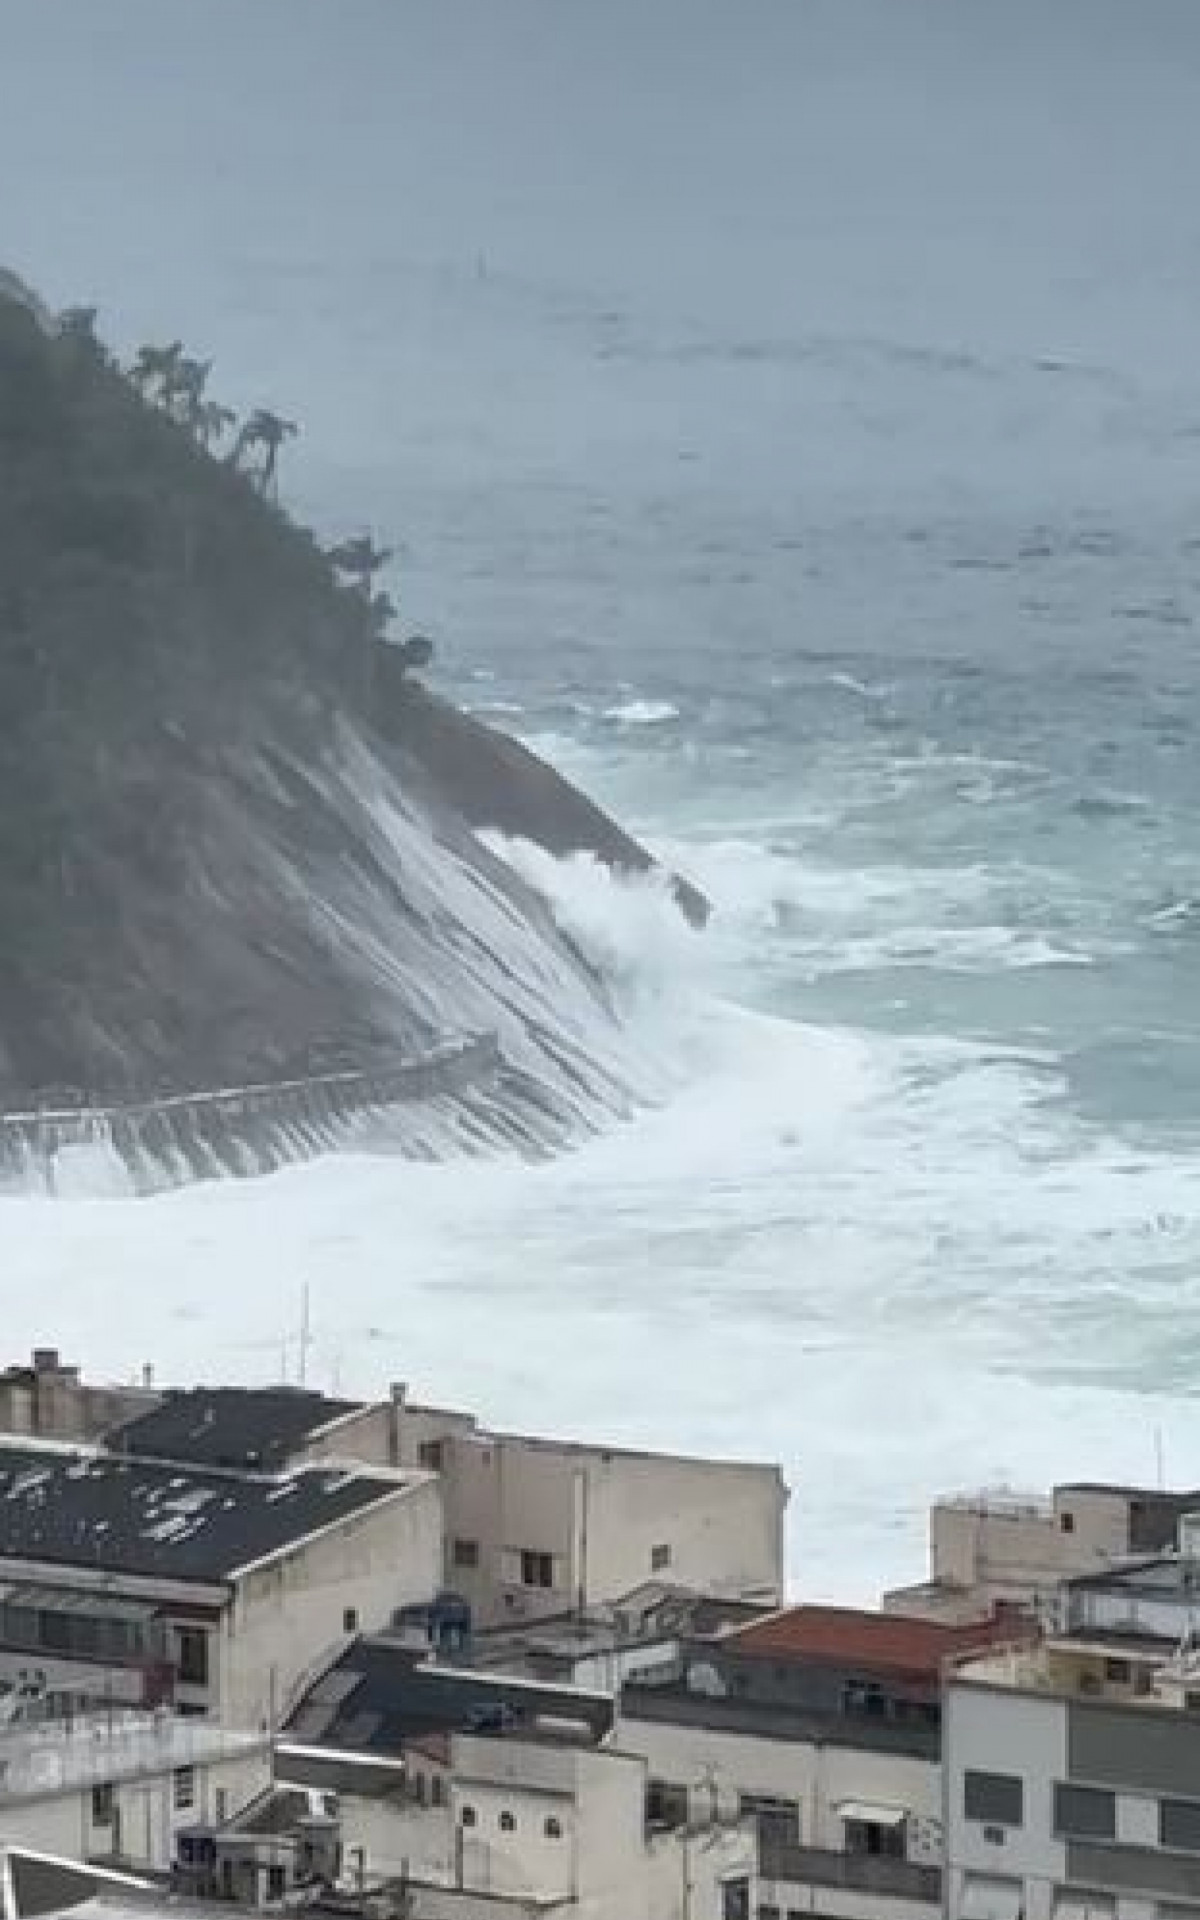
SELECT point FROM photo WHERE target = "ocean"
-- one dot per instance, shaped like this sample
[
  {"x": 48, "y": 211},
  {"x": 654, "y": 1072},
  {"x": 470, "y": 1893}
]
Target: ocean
[{"x": 788, "y": 419}]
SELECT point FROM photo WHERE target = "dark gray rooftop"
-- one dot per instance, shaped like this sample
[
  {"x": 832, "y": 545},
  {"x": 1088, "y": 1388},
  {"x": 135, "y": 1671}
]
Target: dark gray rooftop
[
  {"x": 380, "y": 1694},
  {"x": 79, "y": 1508},
  {"x": 257, "y": 1427}
]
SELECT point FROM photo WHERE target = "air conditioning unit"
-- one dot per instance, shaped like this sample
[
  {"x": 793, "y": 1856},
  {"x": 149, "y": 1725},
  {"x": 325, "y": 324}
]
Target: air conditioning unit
[{"x": 995, "y": 1836}]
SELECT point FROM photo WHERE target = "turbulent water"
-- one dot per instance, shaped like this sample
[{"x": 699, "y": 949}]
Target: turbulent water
[{"x": 790, "y": 415}]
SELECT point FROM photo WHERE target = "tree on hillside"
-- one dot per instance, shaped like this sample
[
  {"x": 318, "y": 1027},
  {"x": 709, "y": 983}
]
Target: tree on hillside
[
  {"x": 154, "y": 369},
  {"x": 360, "y": 560},
  {"x": 181, "y": 389},
  {"x": 266, "y": 432},
  {"x": 210, "y": 422}
]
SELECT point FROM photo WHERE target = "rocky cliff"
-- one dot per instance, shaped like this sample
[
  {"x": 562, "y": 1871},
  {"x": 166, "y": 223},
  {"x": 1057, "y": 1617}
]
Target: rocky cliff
[{"x": 238, "y": 836}]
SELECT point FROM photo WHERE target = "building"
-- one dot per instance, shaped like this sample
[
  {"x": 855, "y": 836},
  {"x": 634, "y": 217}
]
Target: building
[
  {"x": 606, "y": 1645},
  {"x": 479, "y": 1784},
  {"x": 1001, "y": 1547},
  {"x": 1072, "y": 1775},
  {"x": 257, "y": 1429},
  {"x": 117, "y": 1788},
  {"x": 824, "y": 1725},
  {"x": 138, "y": 1582},
  {"x": 48, "y": 1399},
  {"x": 534, "y": 1527},
  {"x": 539, "y": 1526},
  {"x": 35, "y": 1885}
]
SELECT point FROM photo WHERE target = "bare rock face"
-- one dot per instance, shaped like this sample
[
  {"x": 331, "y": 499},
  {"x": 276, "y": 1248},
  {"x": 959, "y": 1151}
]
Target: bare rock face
[{"x": 496, "y": 782}]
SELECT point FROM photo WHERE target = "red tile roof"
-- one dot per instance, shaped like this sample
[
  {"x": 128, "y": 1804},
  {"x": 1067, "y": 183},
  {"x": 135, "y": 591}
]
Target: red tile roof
[{"x": 874, "y": 1642}]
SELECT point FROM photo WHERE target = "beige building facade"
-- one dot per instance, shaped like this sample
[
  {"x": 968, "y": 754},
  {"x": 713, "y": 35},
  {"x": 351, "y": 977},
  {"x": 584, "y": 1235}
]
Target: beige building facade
[
  {"x": 1000, "y": 1547},
  {"x": 539, "y": 1526}
]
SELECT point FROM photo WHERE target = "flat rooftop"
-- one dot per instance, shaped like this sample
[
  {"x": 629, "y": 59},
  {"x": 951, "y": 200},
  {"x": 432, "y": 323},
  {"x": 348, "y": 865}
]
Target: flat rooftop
[
  {"x": 256, "y": 1428},
  {"x": 85, "y": 1508},
  {"x": 380, "y": 1695}
]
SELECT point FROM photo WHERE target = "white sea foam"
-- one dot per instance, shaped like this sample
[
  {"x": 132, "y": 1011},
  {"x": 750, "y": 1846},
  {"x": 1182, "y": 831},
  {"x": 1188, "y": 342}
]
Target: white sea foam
[{"x": 642, "y": 713}]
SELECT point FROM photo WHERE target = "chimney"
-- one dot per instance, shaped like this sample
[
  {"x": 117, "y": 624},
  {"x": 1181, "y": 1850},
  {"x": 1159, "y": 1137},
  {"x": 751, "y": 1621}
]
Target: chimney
[{"x": 398, "y": 1396}]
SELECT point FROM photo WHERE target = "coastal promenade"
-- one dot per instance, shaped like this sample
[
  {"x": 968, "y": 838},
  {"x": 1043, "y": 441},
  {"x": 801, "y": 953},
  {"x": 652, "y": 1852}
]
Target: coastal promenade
[{"x": 244, "y": 1128}]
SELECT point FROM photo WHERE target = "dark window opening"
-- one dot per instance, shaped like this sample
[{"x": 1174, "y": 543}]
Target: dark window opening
[
  {"x": 553, "y": 1828},
  {"x": 466, "y": 1553},
  {"x": 660, "y": 1557},
  {"x": 775, "y": 1819},
  {"x": 537, "y": 1569},
  {"x": 1066, "y": 1522},
  {"x": 103, "y": 1805},
  {"x": 1118, "y": 1671},
  {"x": 1088, "y": 1813},
  {"x": 871, "y": 1839},
  {"x": 193, "y": 1656},
  {"x": 507, "y": 1823},
  {"x": 350, "y": 1620},
  {"x": 184, "y": 1788},
  {"x": 666, "y": 1804},
  {"x": 998, "y": 1798},
  {"x": 467, "y": 1817},
  {"x": 430, "y": 1454},
  {"x": 1179, "y": 1825},
  {"x": 735, "y": 1900},
  {"x": 276, "y": 1883}
]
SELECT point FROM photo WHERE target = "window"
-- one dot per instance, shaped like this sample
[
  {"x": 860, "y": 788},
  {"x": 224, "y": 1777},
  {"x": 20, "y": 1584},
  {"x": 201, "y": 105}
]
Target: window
[
  {"x": 193, "y": 1656},
  {"x": 466, "y": 1553},
  {"x": 666, "y": 1804},
  {"x": 875, "y": 1839},
  {"x": 660, "y": 1557},
  {"x": 1066, "y": 1522},
  {"x": 553, "y": 1828},
  {"x": 467, "y": 1817},
  {"x": 864, "y": 1696},
  {"x": 190, "y": 1710},
  {"x": 507, "y": 1823},
  {"x": 735, "y": 1900},
  {"x": 767, "y": 1912},
  {"x": 998, "y": 1798},
  {"x": 276, "y": 1883},
  {"x": 103, "y": 1805},
  {"x": 221, "y": 1805},
  {"x": 537, "y": 1569},
  {"x": 430, "y": 1455},
  {"x": 418, "y": 1787},
  {"x": 437, "y": 1790},
  {"x": 775, "y": 1819},
  {"x": 184, "y": 1788},
  {"x": 1118, "y": 1671},
  {"x": 1179, "y": 1825},
  {"x": 350, "y": 1620},
  {"x": 1084, "y": 1813}
]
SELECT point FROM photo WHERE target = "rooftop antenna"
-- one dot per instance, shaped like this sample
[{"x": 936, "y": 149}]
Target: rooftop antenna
[{"x": 305, "y": 1334}]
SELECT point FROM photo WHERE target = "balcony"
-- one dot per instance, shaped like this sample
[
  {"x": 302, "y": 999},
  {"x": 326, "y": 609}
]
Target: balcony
[{"x": 856, "y": 1872}]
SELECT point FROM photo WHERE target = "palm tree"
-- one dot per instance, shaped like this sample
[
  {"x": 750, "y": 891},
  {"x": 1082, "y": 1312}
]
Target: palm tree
[
  {"x": 360, "y": 560},
  {"x": 156, "y": 365},
  {"x": 182, "y": 389},
  {"x": 268, "y": 431},
  {"x": 210, "y": 421}
]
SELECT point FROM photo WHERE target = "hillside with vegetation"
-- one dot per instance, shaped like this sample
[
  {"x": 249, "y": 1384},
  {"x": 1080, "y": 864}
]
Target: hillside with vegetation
[{"x": 237, "y": 834}]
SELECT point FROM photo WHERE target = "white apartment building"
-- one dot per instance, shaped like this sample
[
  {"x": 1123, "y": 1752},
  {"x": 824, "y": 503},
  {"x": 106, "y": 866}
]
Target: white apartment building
[
  {"x": 139, "y": 1582},
  {"x": 823, "y": 1725},
  {"x": 528, "y": 1816},
  {"x": 538, "y": 1526},
  {"x": 1072, "y": 1783},
  {"x": 998, "y": 1547},
  {"x": 119, "y": 1787}
]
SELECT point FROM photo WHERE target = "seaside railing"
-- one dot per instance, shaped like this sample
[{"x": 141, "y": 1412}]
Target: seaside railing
[{"x": 268, "y": 1121}]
